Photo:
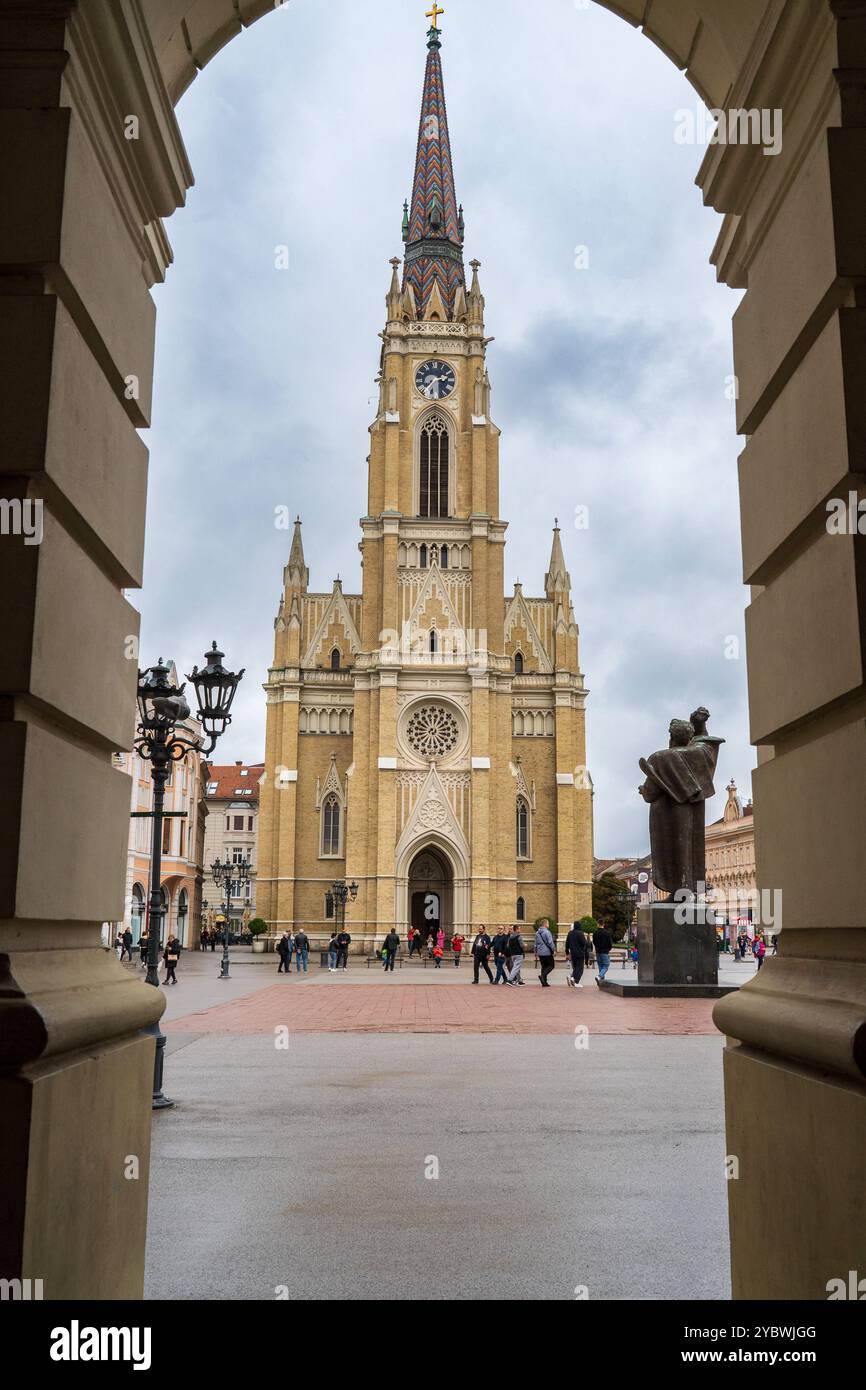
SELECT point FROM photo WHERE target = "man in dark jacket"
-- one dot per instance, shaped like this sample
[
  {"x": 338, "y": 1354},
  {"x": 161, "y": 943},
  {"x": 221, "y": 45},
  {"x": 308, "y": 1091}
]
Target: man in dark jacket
[
  {"x": 575, "y": 950},
  {"x": 302, "y": 951},
  {"x": 481, "y": 948},
  {"x": 127, "y": 945},
  {"x": 344, "y": 941},
  {"x": 391, "y": 946},
  {"x": 516, "y": 952},
  {"x": 283, "y": 953},
  {"x": 603, "y": 942},
  {"x": 500, "y": 957}
]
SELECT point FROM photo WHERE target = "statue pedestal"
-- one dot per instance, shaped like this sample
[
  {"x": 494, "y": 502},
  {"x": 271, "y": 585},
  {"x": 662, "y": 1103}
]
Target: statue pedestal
[{"x": 676, "y": 960}]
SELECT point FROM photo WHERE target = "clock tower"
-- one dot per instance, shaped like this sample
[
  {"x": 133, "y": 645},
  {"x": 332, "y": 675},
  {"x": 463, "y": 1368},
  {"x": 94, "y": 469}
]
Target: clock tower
[{"x": 426, "y": 738}]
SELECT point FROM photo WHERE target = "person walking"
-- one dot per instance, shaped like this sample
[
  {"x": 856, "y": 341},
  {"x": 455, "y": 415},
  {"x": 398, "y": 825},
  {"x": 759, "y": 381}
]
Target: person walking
[
  {"x": 283, "y": 953},
  {"x": 603, "y": 942},
  {"x": 203, "y": 939},
  {"x": 457, "y": 943},
  {"x": 516, "y": 953},
  {"x": 390, "y": 947},
  {"x": 302, "y": 951},
  {"x": 759, "y": 949},
  {"x": 171, "y": 956},
  {"x": 344, "y": 941},
  {"x": 415, "y": 941},
  {"x": 545, "y": 950},
  {"x": 575, "y": 950},
  {"x": 126, "y": 945},
  {"x": 333, "y": 950},
  {"x": 481, "y": 948},
  {"x": 213, "y": 939},
  {"x": 144, "y": 942},
  {"x": 500, "y": 957}
]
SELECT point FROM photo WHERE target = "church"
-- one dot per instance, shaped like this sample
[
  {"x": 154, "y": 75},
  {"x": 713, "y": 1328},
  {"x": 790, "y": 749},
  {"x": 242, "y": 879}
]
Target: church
[{"x": 426, "y": 738}]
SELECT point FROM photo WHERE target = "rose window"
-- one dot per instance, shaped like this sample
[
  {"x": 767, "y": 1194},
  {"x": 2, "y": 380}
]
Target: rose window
[{"x": 432, "y": 732}]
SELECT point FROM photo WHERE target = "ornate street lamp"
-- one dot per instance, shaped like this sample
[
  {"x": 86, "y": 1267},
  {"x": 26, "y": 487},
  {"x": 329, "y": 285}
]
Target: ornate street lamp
[
  {"x": 342, "y": 891},
  {"x": 223, "y": 874},
  {"x": 162, "y": 706}
]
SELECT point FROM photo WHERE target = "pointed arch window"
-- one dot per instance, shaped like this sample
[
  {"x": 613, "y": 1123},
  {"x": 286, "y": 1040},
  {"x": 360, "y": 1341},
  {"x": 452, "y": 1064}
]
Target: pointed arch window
[
  {"x": 331, "y": 827},
  {"x": 434, "y": 642},
  {"x": 434, "y": 462},
  {"x": 443, "y": 557},
  {"x": 335, "y": 659},
  {"x": 523, "y": 829},
  {"x": 518, "y": 663},
  {"x": 423, "y": 558},
  {"x": 521, "y": 909}
]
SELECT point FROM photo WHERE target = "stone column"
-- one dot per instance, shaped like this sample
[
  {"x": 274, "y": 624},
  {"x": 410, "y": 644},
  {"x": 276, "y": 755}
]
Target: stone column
[
  {"x": 90, "y": 159},
  {"x": 795, "y": 1063}
]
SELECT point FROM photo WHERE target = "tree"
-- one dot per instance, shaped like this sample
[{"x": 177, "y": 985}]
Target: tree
[{"x": 611, "y": 904}]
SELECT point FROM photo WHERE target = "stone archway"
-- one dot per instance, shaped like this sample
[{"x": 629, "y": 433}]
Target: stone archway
[
  {"x": 79, "y": 250},
  {"x": 433, "y": 867}
]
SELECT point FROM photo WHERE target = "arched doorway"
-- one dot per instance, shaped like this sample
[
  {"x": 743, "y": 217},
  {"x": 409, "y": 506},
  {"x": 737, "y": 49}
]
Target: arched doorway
[
  {"x": 431, "y": 893},
  {"x": 137, "y": 915}
]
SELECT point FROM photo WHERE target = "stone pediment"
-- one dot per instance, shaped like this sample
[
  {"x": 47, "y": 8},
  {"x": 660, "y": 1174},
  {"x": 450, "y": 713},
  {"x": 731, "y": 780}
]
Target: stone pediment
[
  {"x": 336, "y": 616},
  {"x": 518, "y": 616},
  {"x": 433, "y": 814}
]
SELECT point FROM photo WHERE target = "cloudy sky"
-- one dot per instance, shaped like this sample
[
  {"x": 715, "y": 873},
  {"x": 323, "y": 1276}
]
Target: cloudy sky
[{"x": 610, "y": 382}]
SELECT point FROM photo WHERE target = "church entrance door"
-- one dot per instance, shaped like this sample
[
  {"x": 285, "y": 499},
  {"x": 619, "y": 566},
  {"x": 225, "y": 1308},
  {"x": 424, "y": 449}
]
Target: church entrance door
[{"x": 430, "y": 894}]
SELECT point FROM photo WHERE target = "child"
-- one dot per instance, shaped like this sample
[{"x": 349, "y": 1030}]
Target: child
[
  {"x": 437, "y": 955},
  {"x": 457, "y": 947}
]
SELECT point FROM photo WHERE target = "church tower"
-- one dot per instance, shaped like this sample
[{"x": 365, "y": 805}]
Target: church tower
[{"x": 426, "y": 738}]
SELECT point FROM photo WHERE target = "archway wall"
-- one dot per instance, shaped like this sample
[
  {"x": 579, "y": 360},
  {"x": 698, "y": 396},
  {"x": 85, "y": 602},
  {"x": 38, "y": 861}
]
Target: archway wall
[{"x": 709, "y": 41}]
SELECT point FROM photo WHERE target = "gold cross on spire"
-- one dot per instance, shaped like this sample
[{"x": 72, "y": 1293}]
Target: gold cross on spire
[{"x": 434, "y": 14}]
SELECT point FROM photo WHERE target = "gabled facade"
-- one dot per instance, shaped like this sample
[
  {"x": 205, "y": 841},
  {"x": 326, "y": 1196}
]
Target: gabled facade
[{"x": 426, "y": 737}]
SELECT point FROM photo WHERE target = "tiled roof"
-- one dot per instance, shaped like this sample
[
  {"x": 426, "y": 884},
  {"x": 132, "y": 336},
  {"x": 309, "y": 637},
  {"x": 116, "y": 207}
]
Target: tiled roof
[{"x": 231, "y": 783}]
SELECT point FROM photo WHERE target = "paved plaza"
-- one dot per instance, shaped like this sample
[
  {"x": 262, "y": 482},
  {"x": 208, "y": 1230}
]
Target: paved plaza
[{"x": 312, "y": 1114}]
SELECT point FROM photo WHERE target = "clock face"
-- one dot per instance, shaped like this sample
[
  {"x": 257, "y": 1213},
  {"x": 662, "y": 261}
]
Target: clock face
[{"x": 435, "y": 380}]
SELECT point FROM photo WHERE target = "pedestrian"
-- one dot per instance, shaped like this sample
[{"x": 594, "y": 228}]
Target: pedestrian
[
  {"x": 302, "y": 951},
  {"x": 438, "y": 953},
  {"x": 759, "y": 949},
  {"x": 344, "y": 941},
  {"x": 415, "y": 941},
  {"x": 203, "y": 939},
  {"x": 481, "y": 948},
  {"x": 390, "y": 947},
  {"x": 589, "y": 950},
  {"x": 776, "y": 945},
  {"x": 603, "y": 942},
  {"x": 457, "y": 942},
  {"x": 440, "y": 939},
  {"x": 333, "y": 950},
  {"x": 126, "y": 945},
  {"x": 575, "y": 950},
  {"x": 516, "y": 952},
  {"x": 283, "y": 953},
  {"x": 545, "y": 950},
  {"x": 213, "y": 939},
  {"x": 171, "y": 956},
  {"x": 500, "y": 956},
  {"x": 143, "y": 944}
]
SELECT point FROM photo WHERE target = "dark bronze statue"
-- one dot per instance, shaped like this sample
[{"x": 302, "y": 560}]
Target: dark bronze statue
[{"x": 679, "y": 779}]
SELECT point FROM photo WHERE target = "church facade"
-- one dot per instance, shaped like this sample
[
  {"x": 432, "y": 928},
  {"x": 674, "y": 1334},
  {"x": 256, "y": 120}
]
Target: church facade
[{"x": 426, "y": 738}]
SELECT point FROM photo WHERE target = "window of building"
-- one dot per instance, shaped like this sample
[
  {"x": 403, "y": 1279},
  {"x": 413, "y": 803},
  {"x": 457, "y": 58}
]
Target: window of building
[
  {"x": 166, "y": 837},
  {"x": 238, "y": 823},
  {"x": 239, "y": 856},
  {"x": 443, "y": 557},
  {"x": 434, "y": 642},
  {"x": 212, "y": 788},
  {"x": 249, "y": 822},
  {"x": 335, "y": 659},
  {"x": 181, "y": 829},
  {"x": 433, "y": 491},
  {"x": 331, "y": 827},
  {"x": 522, "y": 829},
  {"x": 422, "y": 561},
  {"x": 518, "y": 663},
  {"x": 521, "y": 909}
]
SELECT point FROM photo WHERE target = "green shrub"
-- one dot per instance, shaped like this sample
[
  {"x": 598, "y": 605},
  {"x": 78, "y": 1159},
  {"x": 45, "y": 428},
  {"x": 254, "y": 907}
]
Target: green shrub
[{"x": 257, "y": 926}]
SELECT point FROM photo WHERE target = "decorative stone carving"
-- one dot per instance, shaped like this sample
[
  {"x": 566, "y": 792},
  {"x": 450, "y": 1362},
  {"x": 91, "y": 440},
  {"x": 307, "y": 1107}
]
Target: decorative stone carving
[{"x": 432, "y": 732}]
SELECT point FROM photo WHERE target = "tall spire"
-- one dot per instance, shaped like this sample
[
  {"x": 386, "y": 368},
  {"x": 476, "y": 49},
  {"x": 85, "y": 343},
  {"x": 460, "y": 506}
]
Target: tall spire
[
  {"x": 434, "y": 233},
  {"x": 297, "y": 575},
  {"x": 557, "y": 580}
]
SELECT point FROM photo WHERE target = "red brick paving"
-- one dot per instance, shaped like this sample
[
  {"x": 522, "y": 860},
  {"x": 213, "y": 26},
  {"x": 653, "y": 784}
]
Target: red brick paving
[{"x": 418, "y": 1008}]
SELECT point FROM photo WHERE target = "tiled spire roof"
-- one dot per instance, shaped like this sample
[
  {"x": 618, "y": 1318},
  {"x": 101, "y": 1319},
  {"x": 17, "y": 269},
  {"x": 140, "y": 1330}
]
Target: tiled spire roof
[{"x": 433, "y": 231}]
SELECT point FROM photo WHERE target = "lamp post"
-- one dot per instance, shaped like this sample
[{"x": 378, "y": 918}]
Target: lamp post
[
  {"x": 342, "y": 891},
  {"x": 161, "y": 708},
  {"x": 223, "y": 873}
]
